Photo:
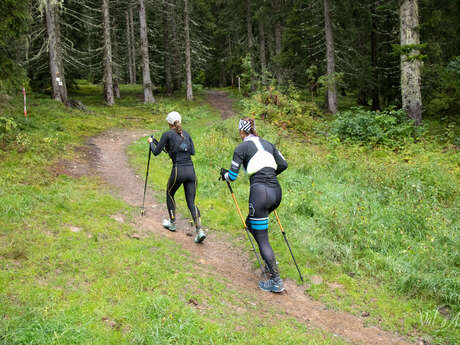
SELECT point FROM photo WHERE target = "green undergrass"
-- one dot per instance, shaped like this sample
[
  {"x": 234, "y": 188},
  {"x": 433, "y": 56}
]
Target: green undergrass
[
  {"x": 71, "y": 274},
  {"x": 381, "y": 226}
]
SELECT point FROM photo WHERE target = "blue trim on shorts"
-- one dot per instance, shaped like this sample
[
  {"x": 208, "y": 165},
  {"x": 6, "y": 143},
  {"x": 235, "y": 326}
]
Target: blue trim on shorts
[
  {"x": 259, "y": 227},
  {"x": 265, "y": 221}
]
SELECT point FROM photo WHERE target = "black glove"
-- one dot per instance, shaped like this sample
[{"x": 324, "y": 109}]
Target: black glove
[{"x": 222, "y": 174}]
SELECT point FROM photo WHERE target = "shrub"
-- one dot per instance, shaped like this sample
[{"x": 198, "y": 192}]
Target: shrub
[
  {"x": 389, "y": 127},
  {"x": 286, "y": 111},
  {"x": 8, "y": 128}
]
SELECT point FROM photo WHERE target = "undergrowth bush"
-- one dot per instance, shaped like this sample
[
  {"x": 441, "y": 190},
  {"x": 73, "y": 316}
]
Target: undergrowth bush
[
  {"x": 389, "y": 127},
  {"x": 283, "y": 110},
  {"x": 8, "y": 128}
]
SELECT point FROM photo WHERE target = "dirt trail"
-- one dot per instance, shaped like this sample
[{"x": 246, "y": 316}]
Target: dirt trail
[
  {"x": 220, "y": 101},
  {"x": 217, "y": 256}
]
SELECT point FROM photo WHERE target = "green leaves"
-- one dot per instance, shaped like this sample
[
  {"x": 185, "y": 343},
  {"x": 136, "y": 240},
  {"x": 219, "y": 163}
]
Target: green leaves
[
  {"x": 389, "y": 127},
  {"x": 410, "y": 51}
]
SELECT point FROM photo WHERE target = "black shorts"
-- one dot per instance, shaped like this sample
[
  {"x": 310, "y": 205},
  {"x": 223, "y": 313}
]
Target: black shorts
[{"x": 263, "y": 199}]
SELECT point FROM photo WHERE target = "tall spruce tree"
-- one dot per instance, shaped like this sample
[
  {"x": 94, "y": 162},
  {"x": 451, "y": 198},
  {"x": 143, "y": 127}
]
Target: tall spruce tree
[
  {"x": 146, "y": 79},
  {"x": 188, "y": 58},
  {"x": 410, "y": 60},
  {"x": 108, "y": 77},
  {"x": 56, "y": 66}
]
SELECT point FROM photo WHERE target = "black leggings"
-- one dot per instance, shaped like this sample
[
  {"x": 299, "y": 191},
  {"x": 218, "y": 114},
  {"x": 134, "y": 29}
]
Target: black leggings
[
  {"x": 182, "y": 174},
  {"x": 263, "y": 199}
]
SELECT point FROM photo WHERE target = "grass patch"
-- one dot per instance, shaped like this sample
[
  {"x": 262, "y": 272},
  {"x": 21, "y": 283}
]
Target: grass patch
[
  {"x": 70, "y": 274},
  {"x": 381, "y": 224}
]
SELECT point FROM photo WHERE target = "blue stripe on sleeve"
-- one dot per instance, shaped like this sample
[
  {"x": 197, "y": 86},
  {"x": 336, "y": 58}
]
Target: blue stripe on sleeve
[{"x": 232, "y": 175}]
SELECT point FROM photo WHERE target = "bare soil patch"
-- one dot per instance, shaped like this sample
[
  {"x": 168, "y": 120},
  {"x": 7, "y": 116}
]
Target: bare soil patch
[
  {"x": 220, "y": 101},
  {"x": 82, "y": 165}
]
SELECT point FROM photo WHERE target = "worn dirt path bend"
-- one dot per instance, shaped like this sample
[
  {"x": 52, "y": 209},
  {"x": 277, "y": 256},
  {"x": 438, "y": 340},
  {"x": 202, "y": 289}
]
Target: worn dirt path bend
[
  {"x": 217, "y": 256},
  {"x": 221, "y": 102}
]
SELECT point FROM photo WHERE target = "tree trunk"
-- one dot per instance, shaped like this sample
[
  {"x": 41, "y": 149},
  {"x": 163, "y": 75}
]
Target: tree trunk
[
  {"x": 330, "y": 57},
  {"x": 271, "y": 45},
  {"x": 249, "y": 26},
  {"x": 188, "y": 67},
  {"x": 167, "y": 48},
  {"x": 263, "y": 62},
  {"x": 222, "y": 79},
  {"x": 148, "y": 95},
  {"x": 375, "y": 74},
  {"x": 59, "y": 91},
  {"x": 250, "y": 42},
  {"x": 130, "y": 58},
  {"x": 63, "y": 84},
  {"x": 133, "y": 45},
  {"x": 278, "y": 44},
  {"x": 177, "y": 56},
  {"x": 410, "y": 64},
  {"x": 115, "y": 56},
  {"x": 108, "y": 78}
]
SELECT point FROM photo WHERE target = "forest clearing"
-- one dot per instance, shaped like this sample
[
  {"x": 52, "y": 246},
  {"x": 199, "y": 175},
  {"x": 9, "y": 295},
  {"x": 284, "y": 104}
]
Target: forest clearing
[{"x": 370, "y": 196}]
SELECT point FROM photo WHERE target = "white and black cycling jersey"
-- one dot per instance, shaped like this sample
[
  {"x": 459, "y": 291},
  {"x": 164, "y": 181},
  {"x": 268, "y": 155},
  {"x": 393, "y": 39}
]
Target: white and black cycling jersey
[{"x": 260, "y": 158}]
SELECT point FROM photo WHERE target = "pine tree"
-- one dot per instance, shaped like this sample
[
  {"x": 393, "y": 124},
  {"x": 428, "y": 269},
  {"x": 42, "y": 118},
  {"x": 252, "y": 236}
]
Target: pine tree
[
  {"x": 55, "y": 51},
  {"x": 108, "y": 77},
  {"x": 148, "y": 95},
  {"x": 330, "y": 56},
  {"x": 188, "y": 62},
  {"x": 410, "y": 60}
]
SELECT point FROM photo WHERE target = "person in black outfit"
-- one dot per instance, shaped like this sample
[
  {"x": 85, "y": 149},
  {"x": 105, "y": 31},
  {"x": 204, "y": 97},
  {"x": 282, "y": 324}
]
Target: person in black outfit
[
  {"x": 179, "y": 145},
  {"x": 263, "y": 162}
]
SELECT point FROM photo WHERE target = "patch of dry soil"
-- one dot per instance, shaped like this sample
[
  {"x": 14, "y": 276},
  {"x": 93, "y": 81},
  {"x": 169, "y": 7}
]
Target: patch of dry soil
[{"x": 220, "y": 101}]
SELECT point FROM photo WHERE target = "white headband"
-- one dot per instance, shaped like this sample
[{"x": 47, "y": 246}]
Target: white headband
[{"x": 245, "y": 125}]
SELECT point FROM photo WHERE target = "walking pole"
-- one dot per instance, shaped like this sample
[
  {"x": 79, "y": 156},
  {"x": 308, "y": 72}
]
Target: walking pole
[
  {"x": 285, "y": 238},
  {"x": 246, "y": 228},
  {"x": 146, "y": 178}
]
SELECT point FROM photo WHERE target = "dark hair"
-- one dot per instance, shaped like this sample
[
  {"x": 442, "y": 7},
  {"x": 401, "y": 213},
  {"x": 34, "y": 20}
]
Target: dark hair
[
  {"x": 253, "y": 126},
  {"x": 178, "y": 128}
]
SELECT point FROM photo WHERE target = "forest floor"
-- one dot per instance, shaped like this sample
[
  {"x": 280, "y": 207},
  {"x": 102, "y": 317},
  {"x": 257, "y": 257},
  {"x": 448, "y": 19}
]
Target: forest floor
[{"x": 217, "y": 255}]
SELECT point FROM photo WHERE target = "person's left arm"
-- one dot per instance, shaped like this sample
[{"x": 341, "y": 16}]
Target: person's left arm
[
  {"x": 192, "y": 146},
  {"x": 281, "y": 163},
  {"x": 160, "y": 146},
  {"x": 231, "y": 174}
]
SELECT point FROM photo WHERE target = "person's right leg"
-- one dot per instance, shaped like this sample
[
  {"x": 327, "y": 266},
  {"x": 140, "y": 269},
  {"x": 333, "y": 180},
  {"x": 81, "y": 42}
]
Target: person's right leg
[
  {"x": 190, "y": 184},
  {"x": 257, "y": 222},
  {"x": 171, "y": 188}
]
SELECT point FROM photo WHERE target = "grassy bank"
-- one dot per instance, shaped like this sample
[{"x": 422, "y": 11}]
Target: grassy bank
[
  {"x": 381, "y": 227},
  {"x": 70, "y": 271}
]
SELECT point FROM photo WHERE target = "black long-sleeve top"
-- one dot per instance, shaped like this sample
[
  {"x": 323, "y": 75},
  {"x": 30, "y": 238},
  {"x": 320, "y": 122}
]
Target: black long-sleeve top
[{"x": 179, "y": 148}]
